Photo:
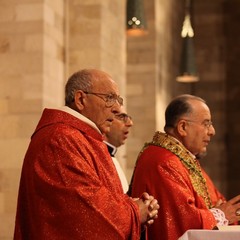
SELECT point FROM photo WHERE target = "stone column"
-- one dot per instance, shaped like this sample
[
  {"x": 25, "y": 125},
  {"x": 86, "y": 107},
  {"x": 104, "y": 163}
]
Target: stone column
[{"x": 32, "y": 72}]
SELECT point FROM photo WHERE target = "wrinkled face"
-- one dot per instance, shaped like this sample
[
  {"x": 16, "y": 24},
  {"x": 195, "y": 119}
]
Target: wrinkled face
[
  {"x": 96, "y": 107},
  {"x": 198, "y": 128},
  {"x": 120, "y": 129}
]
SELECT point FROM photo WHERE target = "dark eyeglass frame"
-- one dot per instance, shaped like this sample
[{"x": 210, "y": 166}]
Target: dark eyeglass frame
[
  {"x": 123, "y": 117},
  {"x": 109, "y": 98}
]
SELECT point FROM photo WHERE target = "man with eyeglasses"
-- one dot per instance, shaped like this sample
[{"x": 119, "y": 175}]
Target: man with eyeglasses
[
  {"x": 116, "y": 137},
  {"x": 69, "y": 188},
  {"x": 168, "y": 168}
]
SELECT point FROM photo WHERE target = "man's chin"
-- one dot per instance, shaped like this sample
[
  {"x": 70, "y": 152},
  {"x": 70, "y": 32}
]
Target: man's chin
[
  {"x": 201, "y": 154},
  {"x": 105, "y": 129}
]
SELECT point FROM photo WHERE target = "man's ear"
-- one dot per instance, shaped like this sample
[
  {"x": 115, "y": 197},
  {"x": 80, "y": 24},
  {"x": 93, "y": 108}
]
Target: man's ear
[
  {"x": 79, "y": 99},
  {"x": 181, "y": 128}
]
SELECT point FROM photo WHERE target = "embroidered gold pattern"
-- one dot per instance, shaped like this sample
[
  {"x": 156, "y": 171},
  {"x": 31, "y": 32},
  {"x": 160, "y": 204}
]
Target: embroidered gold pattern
[{"x": 198, "y": 181}]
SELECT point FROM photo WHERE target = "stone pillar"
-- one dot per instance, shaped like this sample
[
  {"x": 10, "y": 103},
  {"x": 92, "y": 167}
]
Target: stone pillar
[
  {"x": 96, "y": 37},
  {"x": 32, "y": 71}
]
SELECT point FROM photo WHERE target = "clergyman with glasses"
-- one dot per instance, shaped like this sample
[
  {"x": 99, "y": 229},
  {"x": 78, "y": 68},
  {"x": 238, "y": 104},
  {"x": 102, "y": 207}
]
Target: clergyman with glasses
[
  {"x": 69, "y": 188},
  {"x": 116, "y": 137},
  {"x": 168, "y": 168}
]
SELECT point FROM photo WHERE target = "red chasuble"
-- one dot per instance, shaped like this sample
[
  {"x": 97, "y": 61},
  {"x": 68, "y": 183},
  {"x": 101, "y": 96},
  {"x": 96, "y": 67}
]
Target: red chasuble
[
  {"x": 69, "y": 187},
  {"x": 166, "y": 170}
]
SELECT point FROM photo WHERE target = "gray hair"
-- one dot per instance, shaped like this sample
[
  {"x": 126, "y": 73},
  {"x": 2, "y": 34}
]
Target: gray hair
[
  {"x": 81, "y": 80},
  {"x": 178, "y": 107}
]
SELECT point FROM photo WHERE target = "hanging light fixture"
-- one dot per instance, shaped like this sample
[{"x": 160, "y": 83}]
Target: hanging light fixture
[
  {"x": 136, "y": 24},
  {"x": 188, "y": 72}
]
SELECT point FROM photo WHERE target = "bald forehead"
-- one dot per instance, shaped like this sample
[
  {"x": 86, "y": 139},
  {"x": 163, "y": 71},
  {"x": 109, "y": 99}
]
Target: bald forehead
[
  {"x": 197, "y": 106},
  {"x": 196, "y": 102},
  {"x": 103, "y": 81},
  {"x": 99, "y": 73}
]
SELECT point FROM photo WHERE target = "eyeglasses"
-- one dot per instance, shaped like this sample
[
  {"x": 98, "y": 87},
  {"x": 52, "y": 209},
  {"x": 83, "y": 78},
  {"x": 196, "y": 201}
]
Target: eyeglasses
[
  {"x": 109, "y": 98},
  {"x": 207, "y": 123},
  {"x": 123, "y": 117}
]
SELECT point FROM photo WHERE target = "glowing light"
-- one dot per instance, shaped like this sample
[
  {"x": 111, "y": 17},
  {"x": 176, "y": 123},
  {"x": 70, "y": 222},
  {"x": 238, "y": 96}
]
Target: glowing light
[{"x": 187, "y": 29}]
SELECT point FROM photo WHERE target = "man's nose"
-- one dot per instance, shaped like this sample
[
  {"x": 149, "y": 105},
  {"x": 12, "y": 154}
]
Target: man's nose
[
  {"x": 129, "y": 122},
  {"x": 116, "y": 108},
  {"x": 211, "y": 130}
]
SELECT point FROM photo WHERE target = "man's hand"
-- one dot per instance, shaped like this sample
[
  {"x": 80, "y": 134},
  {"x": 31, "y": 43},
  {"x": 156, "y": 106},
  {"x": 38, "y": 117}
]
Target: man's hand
[
  {"x": 231, "y": 209},
  {"x": 148, "y": 206}
]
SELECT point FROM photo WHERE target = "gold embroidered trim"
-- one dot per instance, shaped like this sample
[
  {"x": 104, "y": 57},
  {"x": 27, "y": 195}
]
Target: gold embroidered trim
[{"x": 198, "y": 181}]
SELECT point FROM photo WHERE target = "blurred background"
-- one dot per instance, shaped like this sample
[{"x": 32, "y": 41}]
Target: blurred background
[{"x": 42, "y": 42}]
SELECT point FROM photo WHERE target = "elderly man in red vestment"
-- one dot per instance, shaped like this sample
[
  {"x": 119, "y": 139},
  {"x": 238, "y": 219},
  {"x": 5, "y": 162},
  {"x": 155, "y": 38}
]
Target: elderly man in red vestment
[
  {"x": 69, "y": 187},
  {"x": 168, "y": 168}
]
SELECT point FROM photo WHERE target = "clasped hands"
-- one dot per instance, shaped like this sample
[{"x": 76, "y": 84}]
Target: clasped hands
[
  {"x": 148, "y": 207},
  {"x": 231, "y": 209}
]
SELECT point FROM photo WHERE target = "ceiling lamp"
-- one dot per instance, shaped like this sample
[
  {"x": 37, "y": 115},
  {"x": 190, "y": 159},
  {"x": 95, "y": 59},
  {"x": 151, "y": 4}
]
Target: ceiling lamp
[
  {"x": 136, "y": 24},
  {"x": 188, "y": 72}
]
